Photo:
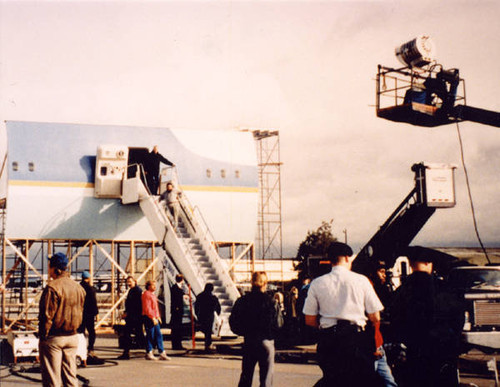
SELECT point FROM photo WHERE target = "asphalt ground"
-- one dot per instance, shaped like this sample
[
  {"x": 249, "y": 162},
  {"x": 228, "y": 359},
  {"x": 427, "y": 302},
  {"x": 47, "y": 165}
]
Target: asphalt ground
[{"x": 194, "y": 367}]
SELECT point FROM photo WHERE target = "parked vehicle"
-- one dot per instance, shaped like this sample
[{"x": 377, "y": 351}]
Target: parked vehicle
[{"x": 480, "y": 287}]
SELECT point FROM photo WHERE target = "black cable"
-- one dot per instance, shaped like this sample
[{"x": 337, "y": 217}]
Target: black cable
[
  {"x": 84, "y": 380},
  {"x": 20, "y": 375},
  {"x": 470, "y": 194}
]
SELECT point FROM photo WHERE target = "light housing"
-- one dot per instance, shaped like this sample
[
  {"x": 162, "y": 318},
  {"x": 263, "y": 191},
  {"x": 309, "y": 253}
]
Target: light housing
[{"x": 417, "y": 52}]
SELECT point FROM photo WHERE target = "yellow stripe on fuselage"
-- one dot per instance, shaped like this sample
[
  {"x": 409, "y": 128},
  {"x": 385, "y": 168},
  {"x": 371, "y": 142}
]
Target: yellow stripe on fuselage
[
  {"x": 62, "y": 184},
  {"x": 59, "y": 184},
  {"x": 219, "y": 188}
]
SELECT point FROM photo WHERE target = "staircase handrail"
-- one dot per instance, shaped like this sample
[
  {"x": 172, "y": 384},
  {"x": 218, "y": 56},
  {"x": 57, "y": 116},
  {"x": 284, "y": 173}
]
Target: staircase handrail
[
  {"x": 188, "y": 204},
  {"x": 208, "y": 242},
  {"x": 164, "y": 218},
  {"x": 203, "y": 232},
  {"x": 200, "y": 230}
]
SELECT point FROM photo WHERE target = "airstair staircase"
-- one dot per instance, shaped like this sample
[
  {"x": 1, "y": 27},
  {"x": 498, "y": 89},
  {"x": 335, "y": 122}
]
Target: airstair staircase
[{"x": 188, "y": 249}]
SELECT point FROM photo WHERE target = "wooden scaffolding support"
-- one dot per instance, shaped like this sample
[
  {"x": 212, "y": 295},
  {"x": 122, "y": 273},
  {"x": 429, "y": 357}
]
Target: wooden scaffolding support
[{"x": 24, "y": 274}]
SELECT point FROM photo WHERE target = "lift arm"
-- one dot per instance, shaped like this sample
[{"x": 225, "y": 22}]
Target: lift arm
[
  {"x": 482, "y": 116},
  {"x": 434, "y": 188},
  {"x": 394, "y": 236}
]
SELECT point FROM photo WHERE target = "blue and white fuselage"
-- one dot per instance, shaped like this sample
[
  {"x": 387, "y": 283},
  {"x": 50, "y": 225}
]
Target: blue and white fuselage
[{"x": 49, "y": 180}]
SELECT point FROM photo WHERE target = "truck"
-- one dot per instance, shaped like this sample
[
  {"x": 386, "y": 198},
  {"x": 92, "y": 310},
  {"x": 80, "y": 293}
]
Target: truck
[{"x": 480, "y": 288}]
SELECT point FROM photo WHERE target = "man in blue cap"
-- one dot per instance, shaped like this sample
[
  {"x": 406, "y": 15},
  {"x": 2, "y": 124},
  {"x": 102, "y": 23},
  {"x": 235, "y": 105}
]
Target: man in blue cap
[
  {"x": 90, "y": 311},
  {"x": 60, "y": 315}
]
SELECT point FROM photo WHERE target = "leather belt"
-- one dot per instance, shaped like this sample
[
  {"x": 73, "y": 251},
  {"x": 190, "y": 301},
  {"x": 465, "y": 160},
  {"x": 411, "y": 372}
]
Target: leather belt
[{"x": 343, "y": 326}]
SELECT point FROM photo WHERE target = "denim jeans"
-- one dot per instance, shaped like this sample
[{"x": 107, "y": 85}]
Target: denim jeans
[
  {"x": 384, "y": 371},
  {"x": 154, "y": 338}
]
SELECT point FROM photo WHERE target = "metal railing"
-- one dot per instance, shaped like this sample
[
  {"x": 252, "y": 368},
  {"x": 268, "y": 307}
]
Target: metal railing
[
  {"x": 392, "y": 84},
  {"x": 202, "y": 232}
]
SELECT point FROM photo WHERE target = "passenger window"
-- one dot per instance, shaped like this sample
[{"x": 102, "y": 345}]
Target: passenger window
[
  {"x": 209, "y": 173},
  {"x": 31, "y": 166},
  {"x": 237, "y": 174},
  {"x": 223, "y": 173},
  {"x": 104, "y": 171},
  {"x": 15, "y": 166}
]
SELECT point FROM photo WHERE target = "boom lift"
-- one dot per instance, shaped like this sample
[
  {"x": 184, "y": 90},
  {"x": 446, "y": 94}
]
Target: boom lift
[
  {"x": 423, "y": 93},
  {"x": 434, "y": 188}
]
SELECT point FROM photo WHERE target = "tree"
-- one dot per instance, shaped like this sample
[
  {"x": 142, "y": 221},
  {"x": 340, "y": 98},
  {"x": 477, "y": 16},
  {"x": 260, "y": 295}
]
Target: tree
[{"x": 315, "y": 244}]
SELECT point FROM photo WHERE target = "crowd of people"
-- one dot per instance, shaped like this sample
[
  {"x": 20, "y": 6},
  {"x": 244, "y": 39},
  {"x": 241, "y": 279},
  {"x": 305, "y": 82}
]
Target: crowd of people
[
  {"x": 68, "y": 308},
  {"x": 370, "y": 334},
  {"x": 367, "y": 333}
]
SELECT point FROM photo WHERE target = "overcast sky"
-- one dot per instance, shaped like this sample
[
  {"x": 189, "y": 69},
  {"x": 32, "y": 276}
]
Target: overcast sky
[{"x": 304, "y": 68}]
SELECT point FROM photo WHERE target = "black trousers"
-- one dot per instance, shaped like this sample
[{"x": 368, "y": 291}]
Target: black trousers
[
  {"x": 345, "y": 355},
  {"x": 206, "y": 328},
  {"x": 133, "y": 327},
  {"x": 176, "y": 334},
  {"x": 153, "y": 183},
  {"x": 88, "y": 324},
  {"x": 425, "y": 367}
]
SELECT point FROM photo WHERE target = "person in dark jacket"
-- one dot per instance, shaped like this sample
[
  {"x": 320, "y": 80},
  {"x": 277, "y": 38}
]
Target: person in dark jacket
[
  {"x": 152, "y": 169},
  {"x": 133, "y": 317},
  {"x": 177, "y": 311},
  {"x": 90, "y": 311},
  {"x": 254, "y": 317},
  {"x": 205, "y": 306},
  {"x": 428, "y": 320}
]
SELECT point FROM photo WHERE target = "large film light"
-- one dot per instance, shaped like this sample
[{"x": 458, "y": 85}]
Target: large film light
[{"x": 417, "y": 52}]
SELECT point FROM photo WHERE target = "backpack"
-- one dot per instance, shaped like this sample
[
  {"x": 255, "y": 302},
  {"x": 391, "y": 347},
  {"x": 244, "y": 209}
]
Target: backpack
[{"x": 237, "y": 319}]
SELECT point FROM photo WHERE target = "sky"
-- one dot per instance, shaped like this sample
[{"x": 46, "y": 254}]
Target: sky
[{"x": 305, "y": 68}]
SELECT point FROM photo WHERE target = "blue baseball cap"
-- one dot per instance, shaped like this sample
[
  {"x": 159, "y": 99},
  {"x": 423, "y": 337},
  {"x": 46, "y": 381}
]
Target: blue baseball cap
[
  {"x": 85, "y": 274},
  {"x": 59, "y": 261}
]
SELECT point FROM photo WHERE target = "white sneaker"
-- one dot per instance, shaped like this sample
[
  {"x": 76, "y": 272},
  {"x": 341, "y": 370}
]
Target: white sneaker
[
  {"x": 163, "y": 356},
  {"x": 150, "y": 356}
]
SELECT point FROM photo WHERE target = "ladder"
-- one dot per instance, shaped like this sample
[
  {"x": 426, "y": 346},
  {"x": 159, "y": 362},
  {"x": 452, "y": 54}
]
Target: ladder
[{"x": 189, "y": 249}]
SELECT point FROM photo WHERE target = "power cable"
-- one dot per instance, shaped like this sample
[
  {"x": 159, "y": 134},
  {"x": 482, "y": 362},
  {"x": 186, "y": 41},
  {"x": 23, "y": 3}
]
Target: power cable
[{"x": 470, "y": 194}]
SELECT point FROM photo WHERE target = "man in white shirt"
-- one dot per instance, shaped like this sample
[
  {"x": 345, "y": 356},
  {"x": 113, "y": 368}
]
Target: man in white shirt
[{"x": 340, "y": 303}]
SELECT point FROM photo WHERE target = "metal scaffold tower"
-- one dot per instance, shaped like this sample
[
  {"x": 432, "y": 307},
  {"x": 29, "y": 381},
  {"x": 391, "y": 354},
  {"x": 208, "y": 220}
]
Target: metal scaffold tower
[{"x": 269, "y": 238}]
